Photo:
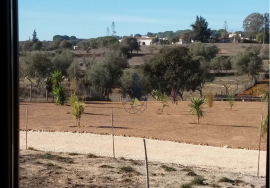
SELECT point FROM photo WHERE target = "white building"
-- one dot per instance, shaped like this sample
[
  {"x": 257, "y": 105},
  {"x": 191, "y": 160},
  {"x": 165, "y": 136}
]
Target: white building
[{"x": 233, "y": 35}]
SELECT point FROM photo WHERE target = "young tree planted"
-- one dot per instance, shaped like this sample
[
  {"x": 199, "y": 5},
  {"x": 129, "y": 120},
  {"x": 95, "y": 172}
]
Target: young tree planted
[{"x": 196, "y": 107}]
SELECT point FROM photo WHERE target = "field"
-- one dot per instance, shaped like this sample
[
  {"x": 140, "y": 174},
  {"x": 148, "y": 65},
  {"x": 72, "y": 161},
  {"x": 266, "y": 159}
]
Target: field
[
  {"x": 70, "y": 170},
  {"x": 238, "y": 127}
]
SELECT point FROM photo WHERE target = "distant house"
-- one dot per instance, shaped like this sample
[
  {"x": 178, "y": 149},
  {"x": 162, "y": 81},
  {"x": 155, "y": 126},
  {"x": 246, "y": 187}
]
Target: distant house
[
  {"x": 145, "y": 40},
  {"x": 233, "y": 35}
]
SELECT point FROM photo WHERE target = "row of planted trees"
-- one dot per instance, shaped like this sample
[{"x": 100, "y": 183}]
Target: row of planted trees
[{"x": 60, "y": 97}]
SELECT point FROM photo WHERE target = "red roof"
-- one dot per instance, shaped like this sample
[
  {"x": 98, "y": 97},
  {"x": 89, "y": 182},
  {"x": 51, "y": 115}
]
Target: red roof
[{"x": 180, "y": 36}]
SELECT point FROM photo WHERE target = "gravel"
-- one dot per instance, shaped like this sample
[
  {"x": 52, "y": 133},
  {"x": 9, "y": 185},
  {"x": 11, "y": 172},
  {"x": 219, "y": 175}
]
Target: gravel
[{"x": 221, "y": 159}]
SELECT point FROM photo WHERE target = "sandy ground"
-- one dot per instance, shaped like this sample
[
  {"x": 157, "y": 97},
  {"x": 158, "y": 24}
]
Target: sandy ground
[
  {"x": 40, "y": 169},
  {"x": 221, "y": 159},
  {"x": 238, "y": 127}
]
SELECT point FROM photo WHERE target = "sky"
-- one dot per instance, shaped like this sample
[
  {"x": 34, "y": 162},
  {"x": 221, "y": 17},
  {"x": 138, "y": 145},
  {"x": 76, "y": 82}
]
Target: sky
[{"x": 90, "y": 18}]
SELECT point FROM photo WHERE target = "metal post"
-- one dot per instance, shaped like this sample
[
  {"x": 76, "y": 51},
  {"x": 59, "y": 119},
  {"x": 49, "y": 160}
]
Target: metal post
[
  {"x": 26, "y": 125},
  {"x": 146, "y": 165},
  {"x": 113, "y": 135},
  {"x": 30, "y": 91}
]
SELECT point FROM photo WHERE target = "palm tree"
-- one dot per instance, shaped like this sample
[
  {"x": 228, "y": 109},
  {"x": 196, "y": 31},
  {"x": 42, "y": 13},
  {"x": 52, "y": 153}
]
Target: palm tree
[{"x": 196, "y": 107}]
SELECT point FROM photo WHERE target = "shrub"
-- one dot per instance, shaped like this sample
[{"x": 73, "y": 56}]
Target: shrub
[
  {"x": 186, "y": 185},
  {"x": 72, "y": 99},
  {"x": 78, "y": 109},
  {"x": 196, "y": 107},
  {"x": 59, "y": 95},
  {"x": 168, "y": 169},
  {"x": 164, "y": 102},
  {"x": 198, "y": 180},
  {"x": 230, "y": 98},
  {"x": 156, "y": 94},
  {"x": 224, "y": 179},
  {"x": 210, "y": 98}
]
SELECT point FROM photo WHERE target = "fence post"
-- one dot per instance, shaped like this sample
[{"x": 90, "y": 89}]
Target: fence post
[
  {"x": 259, "y": 146},
  {"x": 108, "y": 93},
  {"x": 26, "y": 125},
  {"x": 113, "y": 135},
  {"x": 146, "y": 165},
  {"x": 30, "y": 91}
]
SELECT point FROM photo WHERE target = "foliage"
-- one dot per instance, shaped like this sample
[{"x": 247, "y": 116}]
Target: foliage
[
  {"x": 77, "y": 110},
  {"x": 128, "y": 78},
  {"x": 215, "y": 63},
  {"x": 155, "y": 40},
  {"x": 198, "y": 180},
  {"x": 247, "y": 63},
  {"x": 196, "y": 107},
  {"x": 38, "y": 64},
  {"x": 167, "y": 168},
  {"x": 265, "y": 127},
  {"x": 264, "y": 53},
  {"x": 230, "y": 98},
  {"x": 132, "y": 44},
  {"x": 186, "y": 185},
  {"x": 72, "y": 99},
  {"x": 173, "y": 69},
  {"x": 34, "y": 39},
  {"x": 253, "y": 23},
  {"x": 174, "y": 40},
  {"x": 210, "y": 98},
  {"x": 200, "y": 29},
  {"x": 37, "y": 45},
  {"x": 108, "y": 72},
  {"x": 104, "y": 41},
  {"x": 188, "y": 36},
  {"x": 48, "y": 84},
  {"x": 56, "y": 79},
  {"x": 208, "y": 51},
  {"x": 73, "y": 71},
  {"x": 61, "y": 37},
  {"x": 157, "y": 94},
  {"x": 65, "y": 44},
  {"x": 59, "y": 95},
  {"x": 54, "y": 45},
  {"x": 63, "y": 61},
  {"x": 164, "y": 102},
  {"x": 27, "y": 45}
]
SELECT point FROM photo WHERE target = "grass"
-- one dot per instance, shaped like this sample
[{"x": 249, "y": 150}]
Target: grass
[
  {"x": 186, "y": 185},
  {"x": 58, "y": 158},
  {"x": 51, "y": 165},
  {"x": 90, "y": 155},
  {"x": 168, "y": 169},
  {"x": 214, "y": 185},
  {"x": 135, "y": 162},
  {"x": 31, "y": 148},
  {"x": 73, "y": 154},
  {"x": 198, "y": 180},
  {"x": 187, "y": 169},
  {"x": 225, "y": 180},
  {"x": 127, "y": 169}
]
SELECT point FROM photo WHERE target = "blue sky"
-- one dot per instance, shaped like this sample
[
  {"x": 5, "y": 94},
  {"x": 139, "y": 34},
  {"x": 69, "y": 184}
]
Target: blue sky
[{"x": 90, "y": 18}]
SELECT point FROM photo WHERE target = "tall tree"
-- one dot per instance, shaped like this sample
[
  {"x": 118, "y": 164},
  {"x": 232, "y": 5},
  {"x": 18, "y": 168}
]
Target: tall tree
[
  {"x": 266, "y": 28},
  {"x": 173, "y": 69},
  {"x": 34, "y": 39},
  {"x": 253, "y": 24},
  {"x": 200, "y": 29},
  {"x": 188, "y": 36},
  {"x": 112, "y": 29},
  {"x": 108, "y": 32}
]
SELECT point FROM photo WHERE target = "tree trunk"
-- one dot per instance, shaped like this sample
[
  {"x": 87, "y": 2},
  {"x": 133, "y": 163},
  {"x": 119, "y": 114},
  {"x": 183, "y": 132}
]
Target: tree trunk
[
  {"x": 200, "y": 90},
  {"x": 79, "y": 122},
  {"x": 198, "y": 120}
]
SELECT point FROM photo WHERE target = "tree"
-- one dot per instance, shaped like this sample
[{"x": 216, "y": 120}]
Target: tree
[
  {"x": 72, "y": 38},
  {"x": 37, "y": 45},
  {"x": 34, "y": 39},
  {"x": 237, "y": 38},
  {"x": 253, "y": 24},
  {"x": 200, "y": 29},
  {"x": 215, "y": 64},
  {"x": 54, "y": 45},
  {"x": 155, "y": 40},
  {"x": 73, "y": 71},
  {"x": 230, "y": 98},
  {"x": 132, "y": 44},
  {"x": 226, "y": 64},
  {"x": 175, "y": 40},
  {"x": 196, "y": 107},
  {"x": 188, "y": 36},
  {"x": 138, "y": 35},
  {"x": 266, "y": 28},
  {"x": 207, "y": 51},
  {"x": 65, "y": 44},
  {"x": 58, "y": 89},
  {"x": 38, "y": 63},
  {"x": 63, "y": 61},
  {"x": 112, "y": 28},
  {"x": 108, "y": 72},
  {"x": 173, "y": 69},
  {"x": 108, "y": 32}
]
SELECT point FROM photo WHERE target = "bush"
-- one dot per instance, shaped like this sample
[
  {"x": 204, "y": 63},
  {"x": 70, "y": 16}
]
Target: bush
[
  {"x": 72, "y": 99},
  {"x": 196, "y": 107},
  {"x": 59, "y": 95},
  {"x": 230, "y": 98},
  {"x": 78, "y": 109},
  {"x": 210, "y": 98}
]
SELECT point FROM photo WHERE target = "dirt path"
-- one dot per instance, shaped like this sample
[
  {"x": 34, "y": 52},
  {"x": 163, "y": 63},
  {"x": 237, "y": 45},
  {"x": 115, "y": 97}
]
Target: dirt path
[{"x": 222, "y": 159}]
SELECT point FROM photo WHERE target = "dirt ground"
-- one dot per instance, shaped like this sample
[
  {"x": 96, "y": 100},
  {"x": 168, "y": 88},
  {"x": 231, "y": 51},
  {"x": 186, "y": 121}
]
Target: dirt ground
[
  {"x": 255, "y": 91},
  {"x": 238, "y": 127},
  {"x": 68, "y": 170}
]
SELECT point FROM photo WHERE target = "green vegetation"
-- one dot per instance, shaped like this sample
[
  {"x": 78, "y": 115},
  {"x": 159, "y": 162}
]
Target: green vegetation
[
  {"x": 196, "y": 107},
  {"x": 224, "y": 179},
  {"x": 186, "y": 185},
  {"x": 77, "y": 107},
  {"x": 106, "y": 166},
  {"x": 164, "y": 102},
  {"x": 168, "y": 169},
  {"x": 73, "y": 154},
  {"x": 127, "y": 169},
  {"x": 230, "y": 98},
  {"x": 198, "y": 180}
]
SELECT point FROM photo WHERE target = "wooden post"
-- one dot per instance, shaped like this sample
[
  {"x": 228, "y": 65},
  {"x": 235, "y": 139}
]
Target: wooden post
[
  {"x": 259, "y": 146},
  {"x": 108, "y": 96},
  {"x": 146, "y": 165},
  {"x": 26, "y": 125},
  {"x": 113, "y": 135},
  {"x": 30, "y": 91}
]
